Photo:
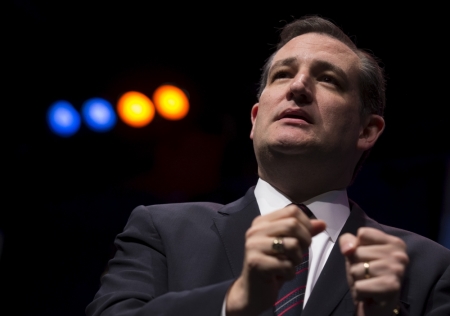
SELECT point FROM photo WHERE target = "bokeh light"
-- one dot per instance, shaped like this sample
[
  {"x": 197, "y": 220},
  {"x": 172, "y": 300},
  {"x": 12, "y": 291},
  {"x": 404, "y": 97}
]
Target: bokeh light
[
  {"x": 63, "y": 119},
  {"x": 135, "y": 109},
  {"x": 99, "y": 114},
  {"x": 171, "y": 102}
]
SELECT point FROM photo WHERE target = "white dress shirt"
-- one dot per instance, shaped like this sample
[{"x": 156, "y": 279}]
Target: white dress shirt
[{"x": 331, "y": 207}]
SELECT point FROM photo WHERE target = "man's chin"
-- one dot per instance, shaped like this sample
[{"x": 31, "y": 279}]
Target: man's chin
[{"x": 292, "y": 148}]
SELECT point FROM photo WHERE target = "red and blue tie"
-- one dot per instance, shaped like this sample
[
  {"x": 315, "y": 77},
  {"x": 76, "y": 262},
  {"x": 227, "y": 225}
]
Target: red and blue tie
[{"x": 292, "y": 293}]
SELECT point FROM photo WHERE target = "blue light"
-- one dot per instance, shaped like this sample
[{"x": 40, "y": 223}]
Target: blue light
[
  {"x": 99, "y": 114},
  {"x": 63, "y": 119}
]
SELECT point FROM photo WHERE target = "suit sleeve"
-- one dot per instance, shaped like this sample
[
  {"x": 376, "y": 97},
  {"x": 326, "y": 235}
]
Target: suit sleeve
[{"x": 136, "y": 283}]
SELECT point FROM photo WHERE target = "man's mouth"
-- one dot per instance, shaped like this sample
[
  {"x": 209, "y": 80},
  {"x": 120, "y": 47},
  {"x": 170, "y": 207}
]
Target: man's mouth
[{"x": 295, "y": 114}]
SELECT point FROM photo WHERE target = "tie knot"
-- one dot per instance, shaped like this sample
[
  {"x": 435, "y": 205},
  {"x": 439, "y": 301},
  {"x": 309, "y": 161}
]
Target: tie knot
[{"x": 306, "y": 210}]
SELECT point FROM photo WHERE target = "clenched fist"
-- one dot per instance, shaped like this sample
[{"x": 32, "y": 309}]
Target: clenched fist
[
  {"x": 265, "y": 270},
  {"x": 375, "y": 264}
]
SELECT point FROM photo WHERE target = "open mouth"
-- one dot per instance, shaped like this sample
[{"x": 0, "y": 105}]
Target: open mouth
[{"x": 295, "y": 114}]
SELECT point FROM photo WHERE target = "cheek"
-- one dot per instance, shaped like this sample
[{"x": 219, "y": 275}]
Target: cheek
[
  {"x": 262, "y": 127},
  {"x": 341, "y": 118},
  {"x": 264, "y": 114}
]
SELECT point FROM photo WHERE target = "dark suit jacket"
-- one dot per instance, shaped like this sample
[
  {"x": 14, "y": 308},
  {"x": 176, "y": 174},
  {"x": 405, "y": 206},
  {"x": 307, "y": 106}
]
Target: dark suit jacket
[{"x": 180, "y": 259}]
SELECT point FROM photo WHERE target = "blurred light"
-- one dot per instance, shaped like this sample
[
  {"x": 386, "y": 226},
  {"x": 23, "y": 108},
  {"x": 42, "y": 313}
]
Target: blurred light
[
  {"x": 99, "y": 114},
  {"x": 171, "y": 102},
  {"x": 63, "y": 119},
  {"x": 135, "y": 109}
]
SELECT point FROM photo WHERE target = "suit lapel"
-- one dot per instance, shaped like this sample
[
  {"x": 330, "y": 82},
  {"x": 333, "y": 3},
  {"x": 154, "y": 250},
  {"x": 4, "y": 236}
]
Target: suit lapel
[
  {"x": 232, "y": 224},
  {"x": 331, "y": 287}
]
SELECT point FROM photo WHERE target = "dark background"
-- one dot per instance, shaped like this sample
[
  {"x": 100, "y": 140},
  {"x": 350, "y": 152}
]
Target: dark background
[{"x": 66, "y": 199}]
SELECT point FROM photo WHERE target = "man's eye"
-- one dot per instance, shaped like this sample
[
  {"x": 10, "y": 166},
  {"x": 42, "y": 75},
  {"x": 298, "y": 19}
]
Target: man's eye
[
  {"x": 280, "y": 75},
  {"x": 328, "y": 79}
]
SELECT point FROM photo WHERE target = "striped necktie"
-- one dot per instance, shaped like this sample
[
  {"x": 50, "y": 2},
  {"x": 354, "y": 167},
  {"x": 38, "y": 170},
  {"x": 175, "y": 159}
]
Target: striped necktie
[{"x": 292, "y": 293}]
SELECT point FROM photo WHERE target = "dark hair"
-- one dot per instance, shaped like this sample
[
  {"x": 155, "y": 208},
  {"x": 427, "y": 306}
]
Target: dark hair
[
  {"x": 371, "y": 76},
  {"x": 372, "y": 84}
]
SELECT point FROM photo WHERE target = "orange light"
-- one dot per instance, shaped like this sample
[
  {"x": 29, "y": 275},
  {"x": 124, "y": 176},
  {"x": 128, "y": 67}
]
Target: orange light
[
  {"x": 171, "y": 102},
  {"x": 135, "y": 109}
]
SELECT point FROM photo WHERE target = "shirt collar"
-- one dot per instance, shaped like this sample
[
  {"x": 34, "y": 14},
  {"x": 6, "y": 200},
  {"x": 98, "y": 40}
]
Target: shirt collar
[{"x": 332, "y": 207}]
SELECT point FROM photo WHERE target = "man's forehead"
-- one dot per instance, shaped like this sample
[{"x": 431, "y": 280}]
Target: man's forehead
[{"x": 314, "y": 46}]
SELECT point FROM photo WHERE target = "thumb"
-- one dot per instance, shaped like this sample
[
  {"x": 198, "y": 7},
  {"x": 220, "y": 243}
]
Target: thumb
[
  {"x": 317, "y": 226},
  {"x": 348, "y": 244}
]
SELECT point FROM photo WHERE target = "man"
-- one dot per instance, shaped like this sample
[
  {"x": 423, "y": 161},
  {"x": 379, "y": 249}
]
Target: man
[{"x": 319, "y": 113}]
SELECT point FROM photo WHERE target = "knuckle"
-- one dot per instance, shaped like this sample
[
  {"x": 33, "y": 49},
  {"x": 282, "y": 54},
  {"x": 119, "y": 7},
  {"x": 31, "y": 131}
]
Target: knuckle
[
  {"x": 256, "y": 220},
  {"x": 399, "y": 270},
  {"x": 252, "y": 261},
  {"x": 354, "y": 271},
  {"x": 292, "y": 222},
  {"x": 362, "y": 231},
  {"x": 250, "y": 244},
  {"x": 249, "y": 232},
  {"x": 401, "y": 256},
  {"x": 292, "y": 211},
  {"x": 391, "y": 282},
  {"x": 398, "y": 242},
  {"x": 357, "y": 287},
  {"x": 291, "y": 225},
  {"x": 295, "y": 244}
]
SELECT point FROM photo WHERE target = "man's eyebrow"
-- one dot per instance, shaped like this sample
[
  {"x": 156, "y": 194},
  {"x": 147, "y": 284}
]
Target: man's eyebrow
[
  {"x": 325, "y": 65},
  {"x": 318, "y": 64},
  {"x": 284, "y": 62}
]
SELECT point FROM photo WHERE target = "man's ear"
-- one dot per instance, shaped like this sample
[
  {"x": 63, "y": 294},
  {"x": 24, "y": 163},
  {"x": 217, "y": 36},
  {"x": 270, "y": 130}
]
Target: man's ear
[
  {"x": 253, "y": 113},
  {"x": 370, "y": 131}
]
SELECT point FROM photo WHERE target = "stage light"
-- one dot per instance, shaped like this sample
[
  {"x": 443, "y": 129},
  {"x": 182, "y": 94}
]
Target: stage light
[
  {"x": 63, "y": 119},
  {"x": 99, "y": 114},
  {"x": 135, "y": 109},
  {"x": 171, "y": 102}
]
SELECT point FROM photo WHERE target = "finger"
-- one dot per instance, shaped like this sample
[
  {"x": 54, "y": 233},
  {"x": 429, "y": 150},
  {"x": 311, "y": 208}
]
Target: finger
[
  {"x": 362, "y": 270},
  {"x": 290, "y": 248},
  {"x": 317, "y": 226},
  {"x": 288, "y": 228},
  {"x": 285, "y": 227},
  {"x": 348, "y": 244},
  {"x": 377, "y": 268},
  {"x": 268, "y": 268},
  {"x": 291, "y": 210},
  {"x": 380, "y": 289},
  {"x": 372, "y": 236},
  {"x": 374, "y": 252}
]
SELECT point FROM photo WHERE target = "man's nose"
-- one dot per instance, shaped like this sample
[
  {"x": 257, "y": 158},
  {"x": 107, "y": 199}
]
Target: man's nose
[{"x": 300, "y": 89}]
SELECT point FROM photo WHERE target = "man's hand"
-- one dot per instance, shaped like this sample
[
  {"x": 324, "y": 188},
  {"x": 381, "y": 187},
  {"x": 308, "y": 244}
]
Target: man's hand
[
  {"x": 265, "y": 270},
  {"x": 376, "y": 293}
]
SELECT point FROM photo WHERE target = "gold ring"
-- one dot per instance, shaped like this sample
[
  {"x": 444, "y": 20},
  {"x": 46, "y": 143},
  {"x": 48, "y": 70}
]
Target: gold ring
[
  {"x": 278, "y": 245},
  {"x": 366, "y": 270}
]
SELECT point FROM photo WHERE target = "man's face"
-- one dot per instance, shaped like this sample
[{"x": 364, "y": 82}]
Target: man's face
[{"x": 311, "y": 100}]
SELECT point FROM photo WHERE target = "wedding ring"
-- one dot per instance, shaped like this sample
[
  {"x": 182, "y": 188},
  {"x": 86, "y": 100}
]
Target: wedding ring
[
  {"x": 366, "y": 270},
  {"x": 277, "y": 245}
]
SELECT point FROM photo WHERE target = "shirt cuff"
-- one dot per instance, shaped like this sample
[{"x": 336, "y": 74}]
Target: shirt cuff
[{"x": 224, "y": 306}]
